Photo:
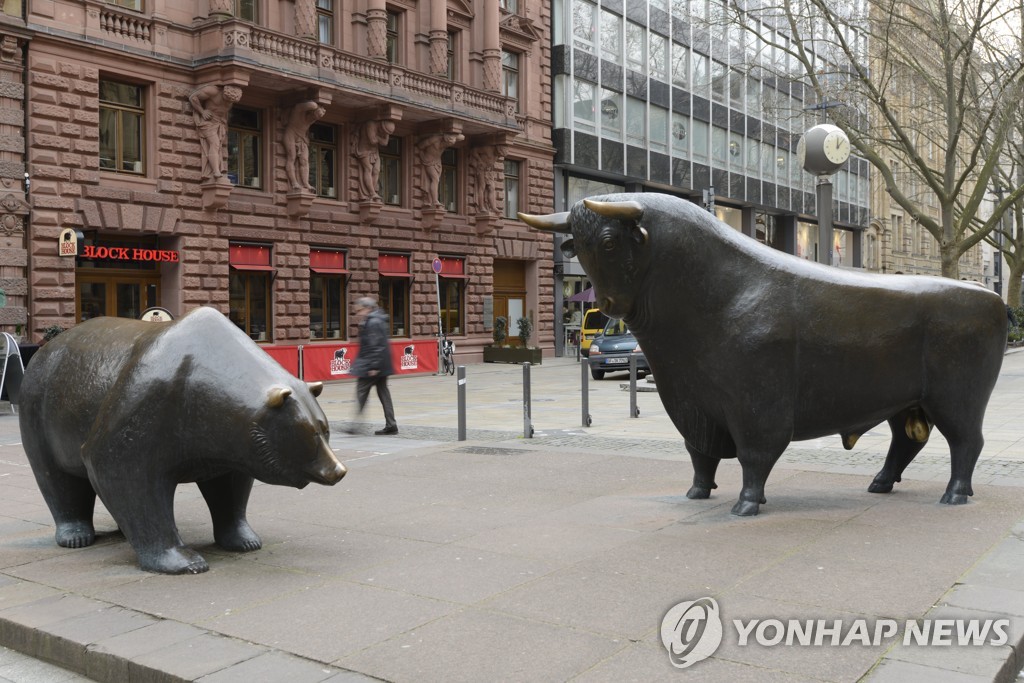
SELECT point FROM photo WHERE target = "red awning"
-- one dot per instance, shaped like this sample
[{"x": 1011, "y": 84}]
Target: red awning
[
  {"x": 453, "y": 268},
  {"x": 393, "y": 265},
  {"x": 250, "y": 257},
  {"x": 327, "y": 261}
]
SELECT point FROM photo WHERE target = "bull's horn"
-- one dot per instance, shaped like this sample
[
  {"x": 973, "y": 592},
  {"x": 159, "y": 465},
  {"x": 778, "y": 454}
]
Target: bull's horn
[
  {"x": 553, "y": 222},
  {"x": 315, "y": 388},
  {"x": 277, "y": 395},
  {"x": 623, "y": 211}
]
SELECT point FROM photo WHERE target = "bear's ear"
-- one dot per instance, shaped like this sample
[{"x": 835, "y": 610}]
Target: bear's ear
[
  {"x": 316, "y": 388},
  {"x": 277, "y": 395}
]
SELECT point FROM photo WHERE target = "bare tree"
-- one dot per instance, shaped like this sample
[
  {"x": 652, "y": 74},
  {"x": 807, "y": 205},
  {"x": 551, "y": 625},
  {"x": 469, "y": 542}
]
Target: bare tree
[{"x": 926, "y": 90}]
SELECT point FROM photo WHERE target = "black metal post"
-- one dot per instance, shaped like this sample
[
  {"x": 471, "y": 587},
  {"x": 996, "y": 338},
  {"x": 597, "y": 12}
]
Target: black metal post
[
  {"x": 461, "y": 377},
  {"x": 527, "y": 424}
]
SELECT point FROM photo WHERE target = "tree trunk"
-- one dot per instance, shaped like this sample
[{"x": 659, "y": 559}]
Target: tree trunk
[
  {"x": 1013, "y": 282},
  {"x": 950, "y": 255}
]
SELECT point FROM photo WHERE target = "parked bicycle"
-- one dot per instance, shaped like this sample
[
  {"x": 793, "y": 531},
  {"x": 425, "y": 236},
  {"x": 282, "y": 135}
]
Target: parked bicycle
[{"x": 447, "y": 355}]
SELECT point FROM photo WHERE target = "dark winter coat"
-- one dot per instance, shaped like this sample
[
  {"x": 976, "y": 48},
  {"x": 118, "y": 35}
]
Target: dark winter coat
[{"x": 374, "y": 349}]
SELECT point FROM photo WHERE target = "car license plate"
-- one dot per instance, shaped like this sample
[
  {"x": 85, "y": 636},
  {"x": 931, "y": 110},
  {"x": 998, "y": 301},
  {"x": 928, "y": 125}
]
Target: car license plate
[{"x": 617, "y": 361}]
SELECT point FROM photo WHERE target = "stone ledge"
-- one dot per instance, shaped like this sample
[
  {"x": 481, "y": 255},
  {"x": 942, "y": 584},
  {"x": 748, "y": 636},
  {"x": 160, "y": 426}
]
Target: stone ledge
[{"x": 111, "y": 644}]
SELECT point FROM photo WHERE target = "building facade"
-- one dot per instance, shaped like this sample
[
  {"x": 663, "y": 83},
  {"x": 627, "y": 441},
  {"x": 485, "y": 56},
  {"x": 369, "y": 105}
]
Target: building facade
[
  {"x": 276, "y": 161},
  {"x": 667, "y": 96}
]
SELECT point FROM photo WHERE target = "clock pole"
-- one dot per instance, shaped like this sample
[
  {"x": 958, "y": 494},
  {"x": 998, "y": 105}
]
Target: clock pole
[
  {"x": 825, "y": 236},
  {"x": 822, "y": 150}
]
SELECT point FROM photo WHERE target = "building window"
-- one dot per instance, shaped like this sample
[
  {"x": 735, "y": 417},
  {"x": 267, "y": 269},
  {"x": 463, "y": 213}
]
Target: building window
[
  {"x": 323, "y": 154},
  {"x": 611, "y": 114},
  {"x": 659, "y": 129},
  {"x": 636, "y": 122},
  {"x": 328, "y": 285},
  {"x": 325, "y": 21},
  {"x": 611, "y": 37},
  {"x": 584, "y": 25},
  {"x": 659, "y": 57},
  {"x": 394, "y": 291},
  {"x": 510, "y": 6},
  {"x": 636, "y": 49},
  {"x": 512, "y": 175},
  {"x": 451, "y": 281},
  {"x": 447, "y": 190},
  {"x": 249, "y": 289},
  {"x": 390, "y": 180},
  {"x": 583, "y": 94},
  {"x": 392, "y": 37},
  {"x": 452, "y": 38},
  {"x": 247, "y": 10},
  {"x": 245, "y": 139},
  {"x": 127, "y": 4},
  {"x": 510, "y": 69},
  {"x": 680, "y": 65},
  {"x": 122, "y": 136}
]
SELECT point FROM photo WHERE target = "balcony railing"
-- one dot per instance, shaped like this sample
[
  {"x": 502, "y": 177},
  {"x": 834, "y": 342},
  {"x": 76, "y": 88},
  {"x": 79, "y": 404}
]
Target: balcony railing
[{"x": 302, "y": 59}]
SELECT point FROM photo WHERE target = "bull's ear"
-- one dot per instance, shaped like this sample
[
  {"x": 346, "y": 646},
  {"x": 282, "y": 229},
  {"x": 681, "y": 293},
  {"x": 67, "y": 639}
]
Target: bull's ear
[
  {"x": 315, "y": 388},
  {"x": 277, "y": 395},
  {"x": 568, "y": 248},
  {"x": 639, "y": 233}
]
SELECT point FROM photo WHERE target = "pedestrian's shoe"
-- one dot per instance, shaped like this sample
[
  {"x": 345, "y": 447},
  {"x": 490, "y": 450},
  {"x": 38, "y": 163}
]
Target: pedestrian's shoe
[{"x": 387, "y": 430}]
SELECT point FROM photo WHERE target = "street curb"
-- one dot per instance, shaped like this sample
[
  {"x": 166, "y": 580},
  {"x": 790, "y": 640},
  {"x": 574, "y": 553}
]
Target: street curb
[{"x": 110, "y": 644}]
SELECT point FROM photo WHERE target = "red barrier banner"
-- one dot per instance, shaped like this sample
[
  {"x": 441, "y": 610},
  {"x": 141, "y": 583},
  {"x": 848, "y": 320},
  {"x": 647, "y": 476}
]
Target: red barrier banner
[
  {"x": 334, "y": 361},
  {"x": 286, "y": 356}
]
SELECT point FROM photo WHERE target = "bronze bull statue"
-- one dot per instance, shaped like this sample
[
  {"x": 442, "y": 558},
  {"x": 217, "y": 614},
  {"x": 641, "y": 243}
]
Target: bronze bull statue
[
  {"x": 754, "y": 348},
  {"x": 128, "y": 410}
]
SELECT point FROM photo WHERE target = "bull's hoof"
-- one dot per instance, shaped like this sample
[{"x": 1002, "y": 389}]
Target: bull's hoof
[
  {"x": 240, "y": 538},
  {"x": 700, "y": 492},
  {"x": 75, "y": 534},
  {"x": 746, "y": 508},
  {"x": 954, "y": 498},
  {"x": 880, "y": 487},
  {"x": 179, "y": 560}
]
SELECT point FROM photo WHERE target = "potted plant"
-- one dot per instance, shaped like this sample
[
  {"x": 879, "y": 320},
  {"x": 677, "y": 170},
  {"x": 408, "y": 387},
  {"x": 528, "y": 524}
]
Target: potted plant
[
  {"x": 499, "y": 352},
  {"x": 51, "y": 332}
]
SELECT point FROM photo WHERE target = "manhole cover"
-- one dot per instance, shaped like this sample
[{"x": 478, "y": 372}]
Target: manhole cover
[{"x": 487, "y": 450}]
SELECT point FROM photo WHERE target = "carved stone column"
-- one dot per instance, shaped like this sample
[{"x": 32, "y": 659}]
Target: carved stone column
[
  {"x": 376, "y": 30},
  {"x": 492, "y": 47},
  {"x": 221, "y": 8},
  {"x": 305, "y": 19},
  {"x": 438, "y": 52},
  {"x": 14, "y": 207}
]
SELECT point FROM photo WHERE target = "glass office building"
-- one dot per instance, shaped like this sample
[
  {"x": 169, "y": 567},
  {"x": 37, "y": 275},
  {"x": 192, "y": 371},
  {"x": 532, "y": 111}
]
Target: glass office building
[{"x": 666, "y": 96}]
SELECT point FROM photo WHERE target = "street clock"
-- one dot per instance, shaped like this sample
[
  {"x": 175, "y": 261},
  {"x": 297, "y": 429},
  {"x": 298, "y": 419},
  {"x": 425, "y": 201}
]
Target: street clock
[{"x": 823, "y": 149}]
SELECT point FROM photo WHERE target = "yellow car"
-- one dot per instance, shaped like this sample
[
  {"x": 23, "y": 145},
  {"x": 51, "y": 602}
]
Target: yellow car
[{"x": 593, "y": 324}]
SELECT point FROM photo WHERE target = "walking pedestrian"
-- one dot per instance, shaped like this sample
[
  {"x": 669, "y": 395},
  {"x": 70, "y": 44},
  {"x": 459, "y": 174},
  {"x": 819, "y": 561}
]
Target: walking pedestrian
[{"x": 373, "y": 364}]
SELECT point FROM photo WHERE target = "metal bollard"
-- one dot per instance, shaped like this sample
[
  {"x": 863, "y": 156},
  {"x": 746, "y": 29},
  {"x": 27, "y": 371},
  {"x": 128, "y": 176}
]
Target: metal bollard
[
  {"x": 633, "y": 410},
  {"x": 585, "y": 392},
  {"x": 461, "y": 377},
  {"x": 527, "y": 424}
]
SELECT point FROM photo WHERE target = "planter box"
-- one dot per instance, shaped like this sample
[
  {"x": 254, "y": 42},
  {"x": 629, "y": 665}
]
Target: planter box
[{"x": 512, "y": 354}]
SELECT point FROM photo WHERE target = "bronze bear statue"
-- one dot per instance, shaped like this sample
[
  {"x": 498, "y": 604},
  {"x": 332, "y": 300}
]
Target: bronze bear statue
[{"x": 127, "y": 410}]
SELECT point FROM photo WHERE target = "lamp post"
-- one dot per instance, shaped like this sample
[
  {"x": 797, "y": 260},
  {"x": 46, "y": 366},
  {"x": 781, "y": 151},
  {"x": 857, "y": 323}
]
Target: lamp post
[{"x": 822, "y": 150}]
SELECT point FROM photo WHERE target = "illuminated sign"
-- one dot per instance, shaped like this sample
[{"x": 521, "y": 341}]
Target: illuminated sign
[{"x": 129, "y": 254}]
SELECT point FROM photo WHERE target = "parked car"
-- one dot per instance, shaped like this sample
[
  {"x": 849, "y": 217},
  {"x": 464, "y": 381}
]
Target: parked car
[
  {"x": 593, "y": 322},
  {"x": 611, "y": 350}
]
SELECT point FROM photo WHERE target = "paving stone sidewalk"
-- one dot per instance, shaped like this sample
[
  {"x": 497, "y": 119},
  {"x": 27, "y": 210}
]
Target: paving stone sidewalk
[{"x": 536, "y": 559}]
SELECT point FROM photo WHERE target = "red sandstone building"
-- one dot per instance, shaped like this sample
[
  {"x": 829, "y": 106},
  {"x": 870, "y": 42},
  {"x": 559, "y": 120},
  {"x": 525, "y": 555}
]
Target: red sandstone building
[{"x": 277, "y": 160}]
